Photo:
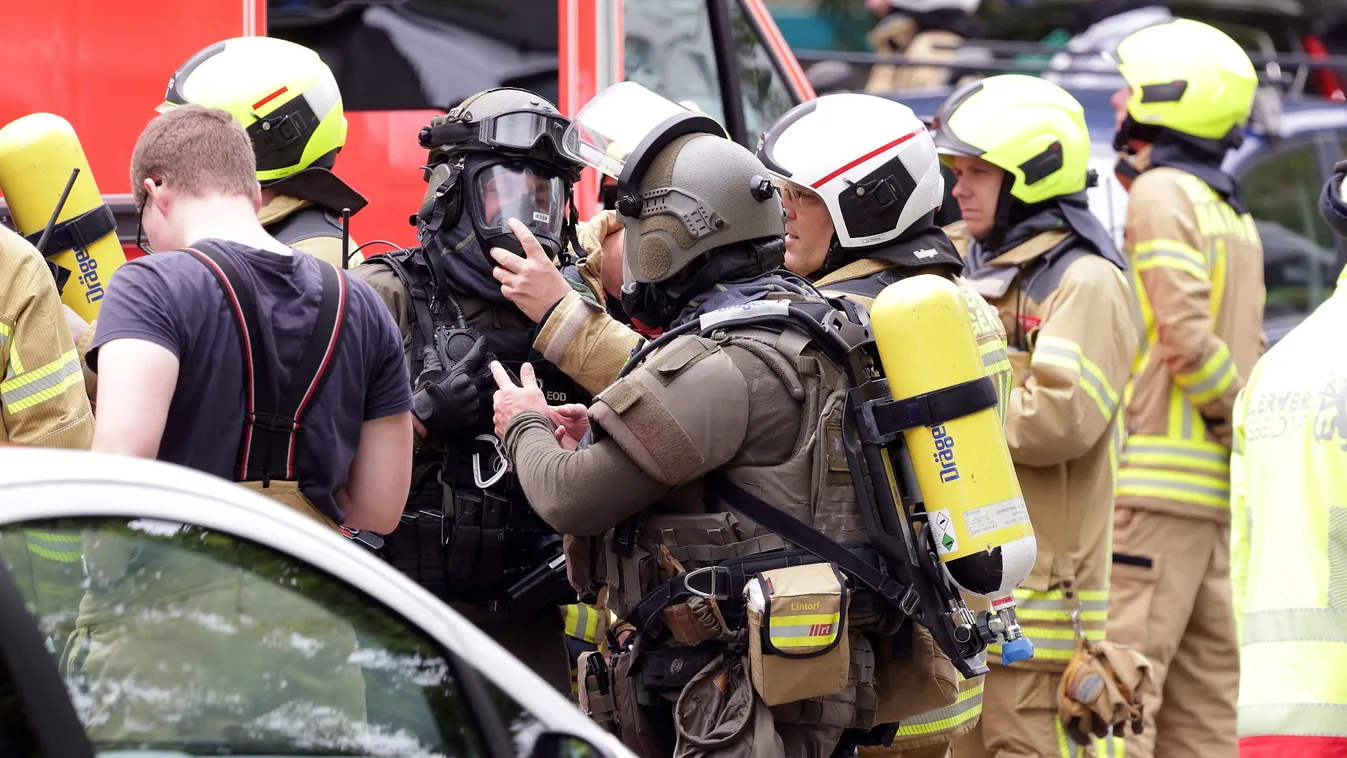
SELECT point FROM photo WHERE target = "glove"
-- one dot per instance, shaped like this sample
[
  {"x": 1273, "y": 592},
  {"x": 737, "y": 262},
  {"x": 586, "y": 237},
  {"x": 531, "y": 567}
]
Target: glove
[
  {"x": 447, "y": 400},
  {"x": 1102, "y": 687}
]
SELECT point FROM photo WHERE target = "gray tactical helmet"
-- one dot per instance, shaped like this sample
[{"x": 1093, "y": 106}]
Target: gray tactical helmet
[
  {"x": 700, "y": 192},
  {"x": 686, "y": 188}
]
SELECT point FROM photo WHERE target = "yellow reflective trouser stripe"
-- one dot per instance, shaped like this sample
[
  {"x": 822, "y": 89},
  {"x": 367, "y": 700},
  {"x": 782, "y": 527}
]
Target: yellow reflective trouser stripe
[
  {"x": 1210, "y": 381},
  {"x": 1162, "y": 253},
  {"x": 968, "y": 706},
  {"x": 65, "y": 548},
  {"x": 1054, "y": 610},
  {"x": 1067, "y": 355},
  {"x": 1179, "y": 486},
  {"x": 1144, "y": 450},
  {"x": 582, "y": 621},
  {"x": 42, "y": 383},
  {"x": 1065, "y": 746}
]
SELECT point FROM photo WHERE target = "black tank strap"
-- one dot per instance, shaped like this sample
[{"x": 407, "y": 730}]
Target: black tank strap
[
  {"x": 273, "y": 418},
  {"x": 306, "y": 223}
]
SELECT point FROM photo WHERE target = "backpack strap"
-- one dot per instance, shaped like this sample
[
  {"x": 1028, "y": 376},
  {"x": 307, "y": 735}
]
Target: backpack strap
[{"x": 273, "y": 417}]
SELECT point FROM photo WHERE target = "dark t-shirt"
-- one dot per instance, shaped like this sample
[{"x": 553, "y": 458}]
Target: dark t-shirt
[{"x": 173, "y": 300}]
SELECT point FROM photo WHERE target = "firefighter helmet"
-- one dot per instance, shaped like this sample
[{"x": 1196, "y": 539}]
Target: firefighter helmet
[
  {"x": 1188, "y": 77},
  {"x": 282, "y": 93},
  {"x": 1030, "y": 128}
]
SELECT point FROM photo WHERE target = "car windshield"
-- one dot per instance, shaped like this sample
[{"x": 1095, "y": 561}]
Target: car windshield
[{"x": 179, "y": 639}]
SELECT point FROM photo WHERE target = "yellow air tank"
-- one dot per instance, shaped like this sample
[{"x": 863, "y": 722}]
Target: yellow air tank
[
  {"x": 37, "y": 153},
  {"x": 963, "y": 468}
]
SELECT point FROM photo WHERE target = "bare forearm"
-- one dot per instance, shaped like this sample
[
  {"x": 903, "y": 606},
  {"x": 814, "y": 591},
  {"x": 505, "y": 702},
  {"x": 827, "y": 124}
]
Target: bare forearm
[{"x": 581, "y": 492}]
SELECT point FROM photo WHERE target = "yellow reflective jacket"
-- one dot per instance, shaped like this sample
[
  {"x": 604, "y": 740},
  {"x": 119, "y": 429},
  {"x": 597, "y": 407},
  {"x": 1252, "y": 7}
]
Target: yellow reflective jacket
[
  {"x": 1198, "y": 275},
  {"x": 42, "y": 397},
  {"x": 1288, "y": 566},
  {"x": 1068, "y": 316}
]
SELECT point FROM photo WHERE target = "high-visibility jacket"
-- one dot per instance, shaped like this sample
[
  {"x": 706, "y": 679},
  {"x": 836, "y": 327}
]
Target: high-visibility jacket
[
  {"x": 859, "y": 282},
  {"x": 1198, "y": 276},
  {"x": 1288, "y": 566},
  {"x": 42, "y": 400},
  {"x": 1068, "y": 314}
]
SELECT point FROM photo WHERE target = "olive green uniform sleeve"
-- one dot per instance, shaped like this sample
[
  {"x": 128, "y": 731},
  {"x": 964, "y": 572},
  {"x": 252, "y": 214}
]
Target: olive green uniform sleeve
[
  {"x": 1079, "y": 363},
  {"x": 580, "y": 493},
  {"x": 42, "y": 397},
  {"x": 681, "y": 414}
]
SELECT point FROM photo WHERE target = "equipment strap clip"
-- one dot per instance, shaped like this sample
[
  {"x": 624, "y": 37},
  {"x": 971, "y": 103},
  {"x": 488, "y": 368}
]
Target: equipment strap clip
[
  {"x": 883, "y": 420},
  {"x": 502, "y": 463}
]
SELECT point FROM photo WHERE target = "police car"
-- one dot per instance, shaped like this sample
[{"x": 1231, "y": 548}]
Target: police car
[{"x": 151, "y": 610}]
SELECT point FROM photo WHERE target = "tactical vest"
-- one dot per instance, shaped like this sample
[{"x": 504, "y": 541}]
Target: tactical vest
[
  {"x": 813, "y": 485},
  {"x": 467, "y": 532}
]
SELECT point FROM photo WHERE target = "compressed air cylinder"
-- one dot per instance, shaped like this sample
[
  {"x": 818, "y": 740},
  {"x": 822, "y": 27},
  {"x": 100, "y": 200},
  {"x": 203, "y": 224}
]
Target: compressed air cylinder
[
  {"x": 37, "y": 153},
  {"x": 963, "y": 467}
]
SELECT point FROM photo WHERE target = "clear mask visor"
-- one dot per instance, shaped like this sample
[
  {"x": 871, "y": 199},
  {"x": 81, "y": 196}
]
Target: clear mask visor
[{"x": 505, "y": 191}]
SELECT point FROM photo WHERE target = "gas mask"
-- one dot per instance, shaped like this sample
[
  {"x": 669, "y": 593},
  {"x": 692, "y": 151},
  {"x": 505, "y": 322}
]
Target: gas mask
[{"x": 493, "y": 189}]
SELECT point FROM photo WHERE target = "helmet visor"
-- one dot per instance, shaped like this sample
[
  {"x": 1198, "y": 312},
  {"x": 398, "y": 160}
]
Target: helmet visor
[
  {"x": 612, "y": 125},
  {"x": 517, "y": 190}
]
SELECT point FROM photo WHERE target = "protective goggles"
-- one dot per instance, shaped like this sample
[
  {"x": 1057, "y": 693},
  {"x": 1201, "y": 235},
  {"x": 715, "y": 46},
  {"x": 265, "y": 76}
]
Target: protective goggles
[{"x": 517, "y": 130}]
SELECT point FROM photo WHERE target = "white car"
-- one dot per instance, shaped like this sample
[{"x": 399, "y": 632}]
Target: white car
[{"x": 136, "y": 596}]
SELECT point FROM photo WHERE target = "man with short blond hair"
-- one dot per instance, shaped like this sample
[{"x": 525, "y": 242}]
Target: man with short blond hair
[{"x": 216, "y": 354}]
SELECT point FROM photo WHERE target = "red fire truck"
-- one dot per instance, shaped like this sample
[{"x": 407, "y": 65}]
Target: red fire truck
[{"x": 105, "y": 66}]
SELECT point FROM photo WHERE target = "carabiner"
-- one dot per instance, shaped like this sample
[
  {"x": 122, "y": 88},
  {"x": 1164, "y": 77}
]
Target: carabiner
[{"x": 502, "y": 463}]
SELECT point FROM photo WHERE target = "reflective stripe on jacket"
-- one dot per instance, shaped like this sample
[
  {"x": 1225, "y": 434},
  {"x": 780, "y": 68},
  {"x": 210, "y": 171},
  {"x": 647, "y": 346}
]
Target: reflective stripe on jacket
[
  {"x": 1068, "y": 314},
  {"x": 42, "y": 397},
  {"x": 1198, "y": 276},
  {"x": 1288, "y": 565}
]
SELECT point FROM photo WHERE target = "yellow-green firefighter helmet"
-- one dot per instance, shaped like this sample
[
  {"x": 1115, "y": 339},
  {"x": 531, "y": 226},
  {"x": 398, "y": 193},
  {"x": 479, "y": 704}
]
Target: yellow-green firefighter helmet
[
  {"x": 1189, "y": 77},
  {"x": 1030, "y": 128},
  {"x": 281, "y": 92}
]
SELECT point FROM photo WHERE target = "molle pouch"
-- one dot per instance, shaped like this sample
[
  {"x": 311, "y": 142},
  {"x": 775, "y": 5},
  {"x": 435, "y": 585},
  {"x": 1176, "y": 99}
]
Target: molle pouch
[
  {"x": 796, "y": 633},
  {"x": 596, "y": 690},
  {"x": 912, "y": 675},
  {"x": 669, "y": 669}
]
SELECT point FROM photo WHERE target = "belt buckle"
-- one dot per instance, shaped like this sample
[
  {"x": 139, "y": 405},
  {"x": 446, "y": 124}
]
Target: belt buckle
[{"x": 712, "y": 594}]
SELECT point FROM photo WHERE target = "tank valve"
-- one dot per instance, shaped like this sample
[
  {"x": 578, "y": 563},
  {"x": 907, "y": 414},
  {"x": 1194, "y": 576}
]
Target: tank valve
[{"x": 1017, "y": 647}]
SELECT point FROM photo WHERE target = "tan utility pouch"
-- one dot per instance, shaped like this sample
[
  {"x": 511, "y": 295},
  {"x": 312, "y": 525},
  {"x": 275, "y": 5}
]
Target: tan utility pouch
[
  {"x": 910, "y": 686},
  {"x": 1101, "y": 688},
  {"x": 797, "y": 633},
  {"x": 288, "y": 494}
]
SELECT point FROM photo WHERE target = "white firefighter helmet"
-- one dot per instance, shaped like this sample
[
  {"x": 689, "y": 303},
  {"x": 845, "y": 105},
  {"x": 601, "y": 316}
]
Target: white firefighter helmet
[{"x": 869, "y": 158}]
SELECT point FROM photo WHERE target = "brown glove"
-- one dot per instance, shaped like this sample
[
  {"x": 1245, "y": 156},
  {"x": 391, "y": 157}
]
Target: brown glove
[{"x": 1102, "y": 687}]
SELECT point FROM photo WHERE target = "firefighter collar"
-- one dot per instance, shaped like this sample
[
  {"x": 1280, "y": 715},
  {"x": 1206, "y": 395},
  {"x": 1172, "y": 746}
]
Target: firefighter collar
[
  {"x": 929, "y": 248},
  {"x": 280, "y": 208}
]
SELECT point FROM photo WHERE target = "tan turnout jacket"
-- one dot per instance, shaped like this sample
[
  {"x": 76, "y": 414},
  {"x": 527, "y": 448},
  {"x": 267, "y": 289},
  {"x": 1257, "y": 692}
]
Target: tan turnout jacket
[
  {"x": 1198, "y": 273},
  {"x": 1068, "y": 318}
]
